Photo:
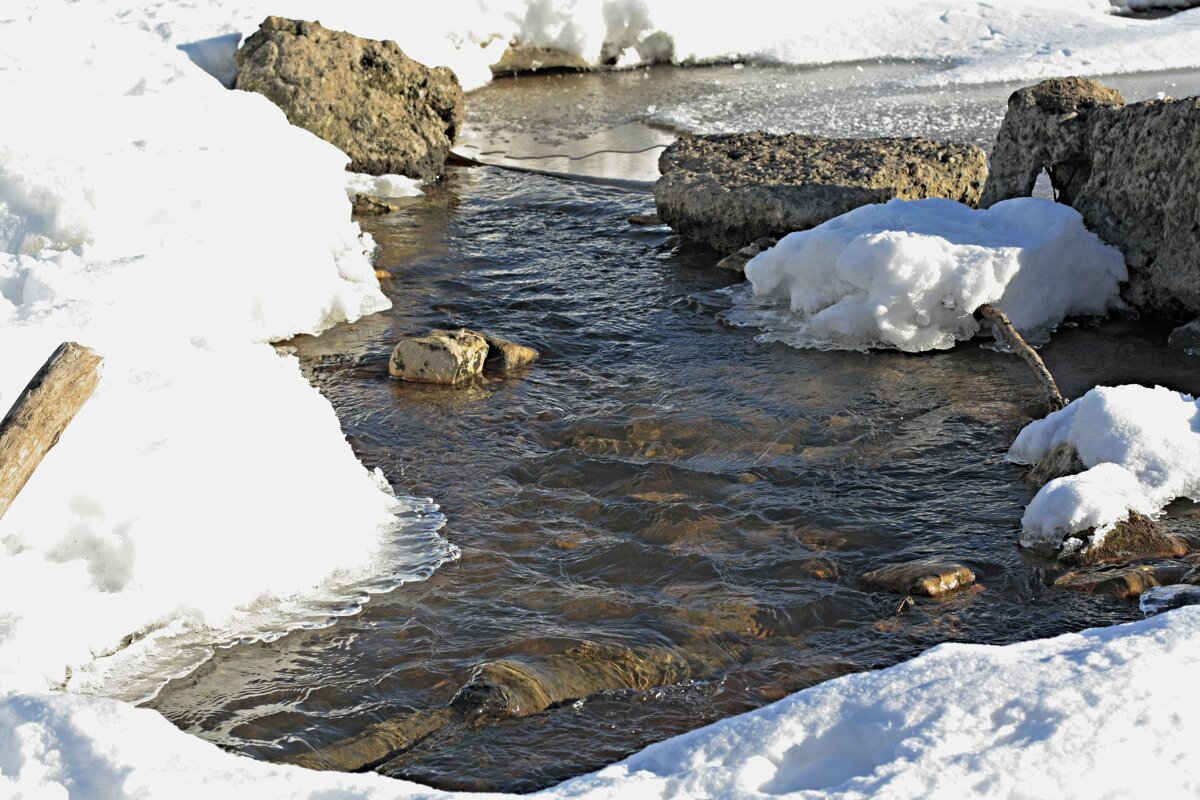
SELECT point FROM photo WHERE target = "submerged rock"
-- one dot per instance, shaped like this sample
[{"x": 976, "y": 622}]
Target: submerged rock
[
  {"x": 729, "y": 189},
  {"x": 387, "y": 112},
  {"x": 737, "y": 261},
  {"x": 368, "y": 205},
  {"x": 1186, "y": 337},
  {"x": 1124, "y": 581},
  {"x": 445, "y": 357},
  {"x": 520, "y": 58},
  {"x": 1132, "y": 171},
  {"x": 926, "y": 577},
  {"x": 1158, "y": 599}
]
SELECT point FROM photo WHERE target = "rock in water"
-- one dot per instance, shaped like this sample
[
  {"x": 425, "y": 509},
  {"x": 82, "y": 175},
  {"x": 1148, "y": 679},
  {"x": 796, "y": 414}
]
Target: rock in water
[
  {"x": 505, "y": 356},
  {"x": 1125, "y": 581},
  {"x": 1132, "y": 171},
  {"x": 389, "y": 113},
  {"x": 926, "y": 577},
  {"x": 445, "y": 357},
  {"x": 1158, "y": 599},
  {"x": 1186, "y": 337},
  {"x": 728, "y": 190}
]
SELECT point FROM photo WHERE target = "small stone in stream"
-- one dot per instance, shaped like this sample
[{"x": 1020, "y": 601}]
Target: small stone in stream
[
  {"x": 1123, "y": 582},
  {"x": 443, "y": 357},
  {"x": 505, "y": 356},
  {"x": 366, "y": 205},
  {"x": 1158, "y": 599},
  {"x": 644, "y": 219},
  {"x": 1186, "y": 338},
  {"x": 1133, "y": 538},
  {"x": 927, "y": 577},
  {"x": 1062, "y": 460},
  {"x": 737, "y": 261}
]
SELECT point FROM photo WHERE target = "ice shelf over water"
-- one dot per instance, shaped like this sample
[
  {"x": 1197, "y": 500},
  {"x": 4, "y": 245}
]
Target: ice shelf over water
[
  {"x": 910, "y": 274},
  {"x": 1142, "y": 447},
  {"x": 176, "y": 228}
]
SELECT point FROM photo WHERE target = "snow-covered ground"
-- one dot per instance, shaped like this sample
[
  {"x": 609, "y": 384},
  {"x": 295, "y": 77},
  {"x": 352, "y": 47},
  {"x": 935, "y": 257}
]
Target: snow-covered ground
[
  {"x": 177, "y": 228},
  {"x": 910, "y": 275}
]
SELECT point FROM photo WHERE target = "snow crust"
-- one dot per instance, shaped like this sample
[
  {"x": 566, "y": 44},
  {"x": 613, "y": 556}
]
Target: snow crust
[
  {"x": 1064, "y": 717},
  {"x": 1142, "y": 448},
  {"x": 382, "y": 185},
  {"x": 910, "y": 274},
  {"x": 978, "y": 42},
  {"x": 205, "y": 491}
]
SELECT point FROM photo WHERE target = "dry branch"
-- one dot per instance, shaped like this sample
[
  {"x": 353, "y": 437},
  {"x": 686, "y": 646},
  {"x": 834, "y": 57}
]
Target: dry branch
[
  {"x": 1006, "y": 330},
  {"x": 41, "y": 413}
]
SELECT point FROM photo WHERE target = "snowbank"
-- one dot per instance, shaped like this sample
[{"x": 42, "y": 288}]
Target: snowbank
[
  {"x": 979, "y": 42},
  {"x": 205, "y": 491},
  {"x": 910, "y": 274},
  {"x": 1142, "y": 447},
  {"x": 1102, "y": 713}
]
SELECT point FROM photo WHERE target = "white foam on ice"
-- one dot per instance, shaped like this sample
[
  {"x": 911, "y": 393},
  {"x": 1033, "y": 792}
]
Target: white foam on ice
[
  {"x": 1062, "y": 717},
  {"x": 1142, "y": 448},
  {"x": 910, "y": 275},
  {"x": 205, "y": 491}
]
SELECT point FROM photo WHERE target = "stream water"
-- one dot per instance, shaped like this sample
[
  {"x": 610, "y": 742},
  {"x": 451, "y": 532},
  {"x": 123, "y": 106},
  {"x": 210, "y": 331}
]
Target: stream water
[{"x": 660, "y": 495}]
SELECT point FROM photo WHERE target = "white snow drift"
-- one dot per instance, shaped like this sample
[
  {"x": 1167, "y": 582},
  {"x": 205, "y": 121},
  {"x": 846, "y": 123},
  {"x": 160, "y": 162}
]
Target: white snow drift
[
  {"x": 910, "y": 274},
  {"x": 1142, "y": 447},
  {"x": 1102, "y": 713},
  {"x": 175, "y": 227}
]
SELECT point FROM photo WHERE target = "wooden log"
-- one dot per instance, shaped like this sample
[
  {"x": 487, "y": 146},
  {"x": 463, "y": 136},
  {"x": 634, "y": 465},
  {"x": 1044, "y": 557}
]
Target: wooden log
[
  {"x": 41, "y": 413},
  {"x": 1006, "y": 330}
]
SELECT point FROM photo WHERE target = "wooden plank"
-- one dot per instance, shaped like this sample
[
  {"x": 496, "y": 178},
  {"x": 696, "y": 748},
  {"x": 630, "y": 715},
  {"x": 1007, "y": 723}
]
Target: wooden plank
[{"x": 41, "y": 413}]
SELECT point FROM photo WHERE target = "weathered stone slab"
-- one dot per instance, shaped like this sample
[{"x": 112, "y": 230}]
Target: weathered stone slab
[
  {"x": 728, "y": 190},
  {"x": 926, "y": 577},
  {"x": 1132, "y": 171},
  {"x": 445, "y": 357},
  {"x": 389, "y": 113}
]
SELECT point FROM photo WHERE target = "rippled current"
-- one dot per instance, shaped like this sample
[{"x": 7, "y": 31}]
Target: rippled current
[{"x": 660, "y": 495}]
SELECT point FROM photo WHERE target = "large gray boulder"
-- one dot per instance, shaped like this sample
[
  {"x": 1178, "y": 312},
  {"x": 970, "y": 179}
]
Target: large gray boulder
[
  {"x": 390, "y": 114},
  {"x": 728, "y": 190},
  {"x": 1132, "y": 171}
]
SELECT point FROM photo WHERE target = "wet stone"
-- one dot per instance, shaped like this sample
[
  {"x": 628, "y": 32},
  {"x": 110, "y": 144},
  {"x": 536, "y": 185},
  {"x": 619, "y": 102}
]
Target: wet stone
[
  {"x": 1186, "y": 338},
  {"x": 1135, "y": 538},
  {"x": 737, "y": 262},
  {"x": 1124, "y": 581},
  {"x": 443, "y": 357},
  {"x": 1158, "y": 599},
  {"x": 366, "y": 205},
  {"x": 926, "y": 577},
  {"x": 505, "y": 356},
  {"x": 1062, "y": 460}
]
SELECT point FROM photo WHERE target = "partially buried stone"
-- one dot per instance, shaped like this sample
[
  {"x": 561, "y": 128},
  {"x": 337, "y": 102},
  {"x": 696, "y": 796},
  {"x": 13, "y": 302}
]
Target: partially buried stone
[
  {"x": 729, "y": 189},
  {"x": 1158, "y": 599},
  {"x": 444, "y": 357},
  {"x": 387, "y": 112},
  {"x": 1062, "y": 460},
  {"x": 927, "y": 577},
  {"x": 1126, "y": 581},
  {"x": 1132, "y": 538},
  {"x": 1186, "y": 338},
  {"x": 368, "y": 205},
  {"x": 737, "y": 261},
  {"x": 504, "y": 356}
]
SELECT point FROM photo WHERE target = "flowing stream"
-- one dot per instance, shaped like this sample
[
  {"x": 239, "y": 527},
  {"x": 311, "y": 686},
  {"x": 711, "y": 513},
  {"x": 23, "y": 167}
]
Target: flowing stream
[{"x": 663, "y": 522}]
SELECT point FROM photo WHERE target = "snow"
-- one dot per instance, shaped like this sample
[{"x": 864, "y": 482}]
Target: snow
[
  {"x": 910, "y": 274},
  {"x": 1142, "y": 448},
  {"x": 978, "y": 42},
  {"x": 161, "y": 220},
  {"x": 165, "y": 222},
  {"x": 1101, "y": 713},
  {"x": 382, "y": 185}
]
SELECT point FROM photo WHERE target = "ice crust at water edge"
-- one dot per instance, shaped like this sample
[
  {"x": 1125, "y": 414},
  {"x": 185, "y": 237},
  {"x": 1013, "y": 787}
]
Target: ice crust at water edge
[
  {"x": 205, "y": 491},
  {"x": 1142, "y": 447},
  {"x": 910, "y": 274},
  {"x": 1061, "y": 717},
  {"x": 979, "y": 42}
]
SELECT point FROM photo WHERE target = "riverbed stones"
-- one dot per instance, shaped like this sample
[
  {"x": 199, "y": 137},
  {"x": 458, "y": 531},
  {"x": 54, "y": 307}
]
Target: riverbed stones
[
  {"x": 445, "y": 357},
  {"x": 727, "y": 190},
  {"x": 925, "y": 577},
  {"x": 1131, "y": 170},
  {"x": 1122, "y": 581},
  {"x": 387, "y": 112}
]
